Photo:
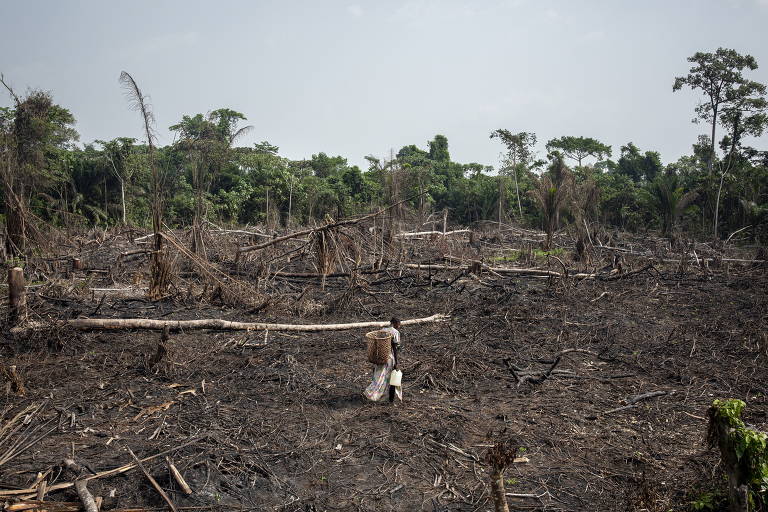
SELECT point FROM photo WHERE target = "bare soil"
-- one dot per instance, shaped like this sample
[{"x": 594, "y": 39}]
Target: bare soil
[{"x": 277, "y": 420}]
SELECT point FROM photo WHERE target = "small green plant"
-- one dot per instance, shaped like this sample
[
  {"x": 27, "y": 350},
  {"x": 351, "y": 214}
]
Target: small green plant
[
  {"x": 511, "y": 481},
  {"x": 707, "y": 501},
  {"x": 15, "y": 262}
]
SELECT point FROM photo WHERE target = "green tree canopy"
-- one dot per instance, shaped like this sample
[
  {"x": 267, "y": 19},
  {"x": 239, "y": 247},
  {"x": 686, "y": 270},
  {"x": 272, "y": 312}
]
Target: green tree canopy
[
  {"x": 719, "y": 77},
  {"x": 579, "y": 148}
]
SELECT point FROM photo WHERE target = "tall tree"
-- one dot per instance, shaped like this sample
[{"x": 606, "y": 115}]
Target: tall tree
[
  {"x": 519, "y": 158},
  {"x": 746, "y": 115},
  {"x": 579, "y": 148},
  {"x": 719, "y": 77}
]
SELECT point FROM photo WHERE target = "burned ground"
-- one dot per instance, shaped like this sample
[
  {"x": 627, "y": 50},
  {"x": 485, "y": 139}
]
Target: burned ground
[{"x": 277, "y": 421}]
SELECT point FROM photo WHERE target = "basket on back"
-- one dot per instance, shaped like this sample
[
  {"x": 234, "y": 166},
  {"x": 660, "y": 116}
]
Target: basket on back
[{"x": 379, "y": 343}]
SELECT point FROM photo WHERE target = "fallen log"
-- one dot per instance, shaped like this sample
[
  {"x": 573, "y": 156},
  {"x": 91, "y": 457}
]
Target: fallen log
[
  {"x": 215, "y": 324},
  {"x": 425, "y": 233},
  {"x": 502, "y": 270}
]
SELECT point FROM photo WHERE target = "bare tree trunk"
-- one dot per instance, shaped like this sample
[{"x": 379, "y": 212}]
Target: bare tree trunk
[
  {"x": 198, "y": 245},
  {"x": 267, "y": 212},
  {"x": 717, "y": 206},
  {"x": 122, "y": 199},
  {"x": 711, "y": 163},
  {"x": 445, "y": 219},
  {"x": 734, "y": 142},
  {"x": 517, "y": 190},
  {"x": 290, "y": 203},
  {"x": 501, "y": 200},
  {"x": 421, "y": 202}
]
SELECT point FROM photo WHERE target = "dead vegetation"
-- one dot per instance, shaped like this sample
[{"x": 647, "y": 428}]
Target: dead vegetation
[{"x": 599, "y": 361}]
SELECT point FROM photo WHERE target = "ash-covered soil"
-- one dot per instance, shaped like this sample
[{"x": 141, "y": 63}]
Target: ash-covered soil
[{"x": 278, "y": 422}]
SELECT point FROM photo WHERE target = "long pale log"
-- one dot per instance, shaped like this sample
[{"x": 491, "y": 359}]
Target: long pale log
[
  {"x": 502, "y": 270},
  {"x": 217, "y": 324},
  {"x": 424, "y": 233}
]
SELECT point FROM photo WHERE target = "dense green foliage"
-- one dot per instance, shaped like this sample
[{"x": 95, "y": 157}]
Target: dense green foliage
[{"x": 206, "y": 177}]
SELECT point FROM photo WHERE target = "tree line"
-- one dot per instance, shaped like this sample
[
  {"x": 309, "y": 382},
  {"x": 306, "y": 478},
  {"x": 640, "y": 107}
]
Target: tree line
[{"x": 204, "y": 177}]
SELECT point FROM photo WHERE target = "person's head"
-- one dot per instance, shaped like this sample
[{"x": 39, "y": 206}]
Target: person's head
[{"x": 395, "y": 322}]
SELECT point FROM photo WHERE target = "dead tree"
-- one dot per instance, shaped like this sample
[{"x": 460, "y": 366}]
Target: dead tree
[{"x": 159, "y": 267}]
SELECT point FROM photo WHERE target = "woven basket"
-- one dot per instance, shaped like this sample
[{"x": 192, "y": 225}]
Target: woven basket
[{"x": 378, "y": 346}]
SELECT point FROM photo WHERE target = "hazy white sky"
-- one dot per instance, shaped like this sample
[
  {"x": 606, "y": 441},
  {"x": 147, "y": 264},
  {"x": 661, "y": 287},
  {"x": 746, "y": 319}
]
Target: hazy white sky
[{"x": 363, "y": 77}]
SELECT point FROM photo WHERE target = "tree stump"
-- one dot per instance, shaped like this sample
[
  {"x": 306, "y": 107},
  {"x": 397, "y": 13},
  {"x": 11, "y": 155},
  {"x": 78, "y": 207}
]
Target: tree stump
[
  {"x": 743, "y": 459},
  {"x": 15, "y": 382},
  {"x": 17, "y": 298}
]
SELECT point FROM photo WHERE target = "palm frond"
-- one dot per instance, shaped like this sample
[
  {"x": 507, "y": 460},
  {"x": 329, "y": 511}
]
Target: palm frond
[
  {"x": 140, "y": 103},
  {"x": 239, "y": 133}
]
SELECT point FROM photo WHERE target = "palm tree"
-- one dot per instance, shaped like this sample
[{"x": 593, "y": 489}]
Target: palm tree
[
  {"x": 665, "y": 197},
  {"x": 552, "y": 191}
]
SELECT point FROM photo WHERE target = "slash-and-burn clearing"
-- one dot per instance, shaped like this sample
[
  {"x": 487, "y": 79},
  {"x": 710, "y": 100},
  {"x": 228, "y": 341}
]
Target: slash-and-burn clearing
[{"x": 599, "y": 367}]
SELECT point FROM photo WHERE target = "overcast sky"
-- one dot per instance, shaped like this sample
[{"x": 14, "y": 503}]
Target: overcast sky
[{"x": 362, "y": 77}]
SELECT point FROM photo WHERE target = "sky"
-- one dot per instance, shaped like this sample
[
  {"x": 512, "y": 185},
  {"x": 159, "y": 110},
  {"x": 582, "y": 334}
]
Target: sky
[{"x": 355, "y": 78}]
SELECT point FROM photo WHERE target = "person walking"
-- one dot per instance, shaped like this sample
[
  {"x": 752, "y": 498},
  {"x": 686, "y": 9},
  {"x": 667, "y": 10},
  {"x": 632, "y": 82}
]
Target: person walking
[{"x": 381, "y": 372}]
